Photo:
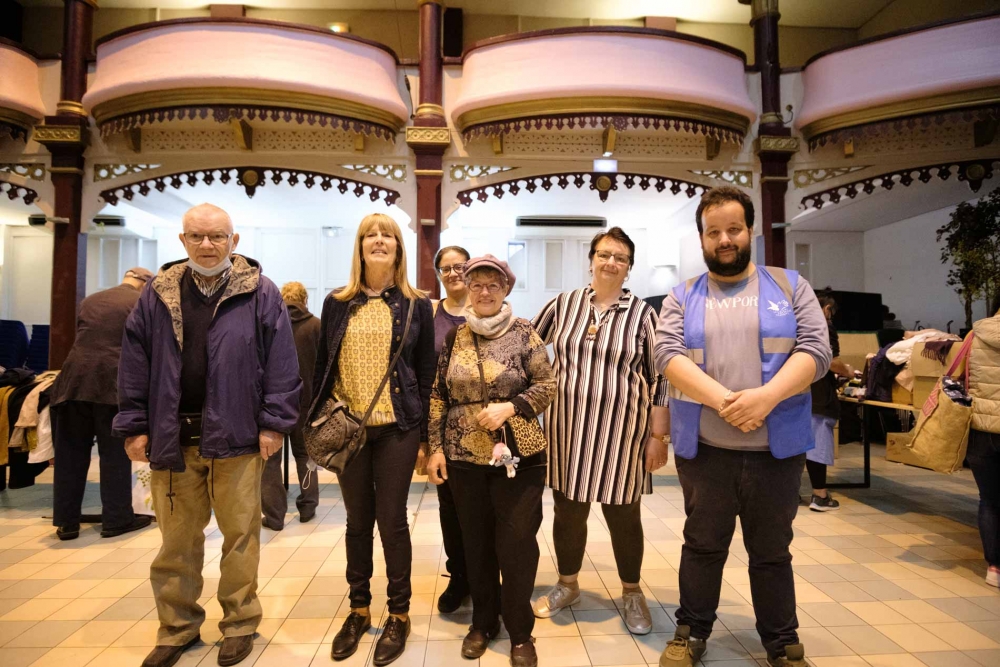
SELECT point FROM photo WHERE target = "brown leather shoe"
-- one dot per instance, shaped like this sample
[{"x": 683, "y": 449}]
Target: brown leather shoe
[
  {"x": 476, "y": 642},
  {"x": 235, "y": 649},
  {"x": 165, "y": 656},
  {"x": 523, "y": 655}
]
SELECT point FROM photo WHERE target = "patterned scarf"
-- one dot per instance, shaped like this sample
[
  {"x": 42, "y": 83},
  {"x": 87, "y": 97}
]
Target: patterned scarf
[{"x": 490, "y": 327}]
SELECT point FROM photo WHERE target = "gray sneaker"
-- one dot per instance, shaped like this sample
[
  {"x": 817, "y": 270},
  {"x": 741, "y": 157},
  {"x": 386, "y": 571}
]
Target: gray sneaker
[
  {"x": 637, "y": 617},
  {"x": 682, "y": 651},
  {"x": 560, "y": 597}
]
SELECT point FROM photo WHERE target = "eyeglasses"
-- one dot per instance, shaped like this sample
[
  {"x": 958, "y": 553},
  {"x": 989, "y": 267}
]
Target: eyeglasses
[
  {"x": 492, "y": 288},
  {"x": 457, "y": 269},
  {"x": 217, "y": 238},
  {"x": 605, "y": 257}
]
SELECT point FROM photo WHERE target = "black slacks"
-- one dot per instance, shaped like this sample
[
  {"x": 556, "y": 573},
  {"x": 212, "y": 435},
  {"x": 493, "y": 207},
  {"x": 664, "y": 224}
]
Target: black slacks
[{"x": 274, "y": 497}]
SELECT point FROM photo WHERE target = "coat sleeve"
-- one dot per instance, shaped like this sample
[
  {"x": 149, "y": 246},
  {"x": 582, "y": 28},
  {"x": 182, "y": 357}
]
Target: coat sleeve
[
  {"x": 440, "y": 399},
  {"x": 281, "y": 384},
  {"x": 134, "y": 370},
  {"x": 425, "y": 360},
  {"x": 541, "y": 381},
  {"x": 322, "y": 350}
]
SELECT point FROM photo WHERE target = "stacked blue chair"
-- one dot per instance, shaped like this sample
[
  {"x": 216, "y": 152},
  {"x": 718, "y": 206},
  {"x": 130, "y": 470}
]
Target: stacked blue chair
[
  {"x": 38, "y": 349},
  {"x": 13, "y": 343}
]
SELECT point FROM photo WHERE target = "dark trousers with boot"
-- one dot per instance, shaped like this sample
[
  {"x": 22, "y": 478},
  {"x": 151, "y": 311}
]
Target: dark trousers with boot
[
  {"x": 75, "y": 424},
  {"x": 720, "y": 485},
  {"x": 500, "y": 519},
  {"x": 451, "y": 533},
  {"x": 274, "y": 497}
]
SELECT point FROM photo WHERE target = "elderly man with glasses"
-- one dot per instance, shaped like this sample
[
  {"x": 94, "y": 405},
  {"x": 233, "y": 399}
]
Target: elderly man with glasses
[{"x": 208, "y": 385}]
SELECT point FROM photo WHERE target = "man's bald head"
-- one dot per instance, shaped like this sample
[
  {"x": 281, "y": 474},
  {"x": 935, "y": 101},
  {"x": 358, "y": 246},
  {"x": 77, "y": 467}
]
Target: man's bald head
[
  {"x": 208, "y": 214},
  {"x": 208, "y": 235}
]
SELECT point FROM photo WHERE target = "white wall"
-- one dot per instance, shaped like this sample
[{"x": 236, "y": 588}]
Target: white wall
[
  {"x": 837, "y": 259},
  {"x": 903, "y": 262}
]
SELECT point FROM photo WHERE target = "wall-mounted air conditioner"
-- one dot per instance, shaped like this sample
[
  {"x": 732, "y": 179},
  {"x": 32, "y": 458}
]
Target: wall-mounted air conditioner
[{"x": 561, "y": 221}]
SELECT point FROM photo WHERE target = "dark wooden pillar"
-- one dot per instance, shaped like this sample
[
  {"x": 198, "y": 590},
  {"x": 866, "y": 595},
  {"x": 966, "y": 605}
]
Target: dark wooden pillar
[
  {"x": 429, "y": 138},
  {"x": 65, "y": 136},
  {"x": 775, "y": 144}
]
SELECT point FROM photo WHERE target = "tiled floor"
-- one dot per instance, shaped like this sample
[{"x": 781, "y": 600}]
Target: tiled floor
[{"x": 892, "y": 580}]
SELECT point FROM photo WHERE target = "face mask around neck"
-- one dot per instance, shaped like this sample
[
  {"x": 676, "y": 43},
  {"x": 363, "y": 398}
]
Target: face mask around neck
[{"x": 210, "y": 272}]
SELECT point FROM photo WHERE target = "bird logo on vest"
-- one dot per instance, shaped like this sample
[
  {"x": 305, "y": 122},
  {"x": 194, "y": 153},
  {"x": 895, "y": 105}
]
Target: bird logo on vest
[{"x": 780, "y": 309}]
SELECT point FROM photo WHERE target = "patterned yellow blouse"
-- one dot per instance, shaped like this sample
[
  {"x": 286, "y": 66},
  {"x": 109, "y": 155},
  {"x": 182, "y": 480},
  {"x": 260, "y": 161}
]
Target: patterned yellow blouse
[{"x": 363, "y": 360}]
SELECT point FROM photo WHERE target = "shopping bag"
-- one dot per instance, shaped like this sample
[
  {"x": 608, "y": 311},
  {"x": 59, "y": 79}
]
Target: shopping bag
[
  {"x": 941, "y": 435},
  {"x": 142, "y": 492}
]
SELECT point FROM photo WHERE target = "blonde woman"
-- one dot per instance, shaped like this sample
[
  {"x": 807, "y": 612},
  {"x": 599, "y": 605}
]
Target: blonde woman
[{"x": 361, "y": 329}]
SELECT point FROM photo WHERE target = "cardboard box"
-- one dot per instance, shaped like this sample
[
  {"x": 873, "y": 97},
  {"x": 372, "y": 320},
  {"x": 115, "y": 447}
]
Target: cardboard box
[
  {"x": 855, "y": 348},
  {"x": 896, "y": 450},
  {"x": 901, "y": 395},
  {"x": 921, "y": 366},
  {"x": 922, "y": 387}
]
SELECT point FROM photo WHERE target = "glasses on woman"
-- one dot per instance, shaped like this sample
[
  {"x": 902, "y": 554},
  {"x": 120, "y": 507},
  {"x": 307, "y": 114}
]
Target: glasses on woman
[
  {"x": 217, "y": 238},
  {"x": 606, "y": 257},
  {"x": 492, "y": 288},
  {"x": 457, "y": 269}
]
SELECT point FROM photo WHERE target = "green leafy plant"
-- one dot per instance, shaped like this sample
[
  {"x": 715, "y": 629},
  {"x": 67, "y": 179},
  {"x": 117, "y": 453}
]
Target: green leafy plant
[{"x": 972, "y": 247}]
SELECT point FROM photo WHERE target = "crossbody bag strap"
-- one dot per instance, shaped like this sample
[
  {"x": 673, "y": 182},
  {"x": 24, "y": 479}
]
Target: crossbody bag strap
[
  {"x": 479, "y": 365},
  {"x": 392, "y": 365}
]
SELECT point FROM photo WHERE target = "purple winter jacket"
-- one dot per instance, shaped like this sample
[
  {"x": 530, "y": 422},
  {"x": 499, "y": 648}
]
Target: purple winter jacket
[{"x": 253, "y": 371}]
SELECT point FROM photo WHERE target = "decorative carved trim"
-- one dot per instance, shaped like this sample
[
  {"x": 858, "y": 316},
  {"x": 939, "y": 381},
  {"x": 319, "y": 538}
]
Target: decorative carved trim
[
  {"x": 962, "y": 107},
  {"x": 467, "y": 172},
  {"x": 772, "y": 144},
  {"x": 14, "y": 191},
  {"x": 972, "y": 171},
  {"x": 428, "y": 136},
  {"x": 601, "y": 182},
  {"x": 107, "y": 172},
  {"x": 394, "y": 172},
  {"x": 15, "y": 124},
  {"x": 31, "y": 170},
  {"x": 741, "y": 178},
  {"x": 58, "y": 134},
  {"x": 611, "y": 112},
  {"x": 74, "y": 108},
  {"x": 429, "y": 110},
  {"x": 222, "y": 104},
  {"x": 807, "y": 177},
  {"x": 250, "y": 178}
]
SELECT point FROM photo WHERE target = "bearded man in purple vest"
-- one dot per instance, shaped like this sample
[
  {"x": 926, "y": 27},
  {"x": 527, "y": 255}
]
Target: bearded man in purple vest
[{"x": 741, "y": 346}]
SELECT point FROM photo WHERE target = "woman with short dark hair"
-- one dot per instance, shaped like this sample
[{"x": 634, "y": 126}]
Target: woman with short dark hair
[{"x": 608, "y": 424}]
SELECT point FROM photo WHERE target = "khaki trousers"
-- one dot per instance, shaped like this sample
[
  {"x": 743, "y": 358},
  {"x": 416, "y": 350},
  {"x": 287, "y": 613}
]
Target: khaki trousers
[{"x": 231, "y": 487}]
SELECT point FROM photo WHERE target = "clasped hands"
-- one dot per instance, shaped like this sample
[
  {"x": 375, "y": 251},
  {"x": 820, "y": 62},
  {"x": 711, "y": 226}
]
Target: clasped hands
[{"x": 747, "y": 409}]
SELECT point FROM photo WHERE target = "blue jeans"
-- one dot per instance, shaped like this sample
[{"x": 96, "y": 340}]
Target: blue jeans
[{"x": 984, "y": 458}]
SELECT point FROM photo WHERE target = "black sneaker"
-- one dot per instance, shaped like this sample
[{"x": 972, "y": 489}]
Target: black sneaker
[
  {"x": 392, "y": 643},
  {"x": 347, "y": 639},
  {"x": 453, "y": 596},
  {"x": 70, "y": 532},
  {"x": 827, "y": 504}
]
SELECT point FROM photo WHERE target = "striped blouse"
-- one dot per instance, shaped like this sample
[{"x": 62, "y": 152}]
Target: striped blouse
[{"x": 607, "y": 383}]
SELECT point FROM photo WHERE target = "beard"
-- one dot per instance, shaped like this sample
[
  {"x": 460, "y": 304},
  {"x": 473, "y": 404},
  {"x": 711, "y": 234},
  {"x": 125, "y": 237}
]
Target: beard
[{"x": 732, "y": 268}]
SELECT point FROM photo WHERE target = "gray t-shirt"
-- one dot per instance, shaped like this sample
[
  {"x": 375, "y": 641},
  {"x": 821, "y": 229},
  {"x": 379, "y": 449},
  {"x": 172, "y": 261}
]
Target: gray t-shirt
[{"x": 732, "y": 347}]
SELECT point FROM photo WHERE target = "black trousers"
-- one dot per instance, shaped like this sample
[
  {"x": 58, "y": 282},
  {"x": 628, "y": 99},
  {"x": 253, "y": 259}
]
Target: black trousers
[
  {"x": 274, "y": 497},
  {"x": 720, "y": 485},
  {"x": 75, "y": 424},
  {"x": 451, "y": 533},
  {"x": 500, "y": 518},
  {"x": 817, "y": 474},
  {"x": 569, "y": 534},
  {"x": 374, "y": 487},
  {"x": 984, "y": 459}
]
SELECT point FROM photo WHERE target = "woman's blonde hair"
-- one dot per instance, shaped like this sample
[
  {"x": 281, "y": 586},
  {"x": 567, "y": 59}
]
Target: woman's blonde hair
[
  {"x": 356, "y": 283},
  {"x": 294, "y": 292}
]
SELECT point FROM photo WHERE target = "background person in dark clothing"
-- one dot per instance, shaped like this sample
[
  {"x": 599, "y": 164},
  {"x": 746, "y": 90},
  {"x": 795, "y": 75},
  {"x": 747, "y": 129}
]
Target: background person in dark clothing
[
  {"x": 448, "y": 314},
  {"x": 274, "y": 497},
  {"x": 84, "y": 400},
  {"x": 825, "y": 413}
]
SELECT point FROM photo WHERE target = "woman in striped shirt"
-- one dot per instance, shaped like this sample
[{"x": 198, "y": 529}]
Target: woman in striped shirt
[{"x": 607, "y": 427}]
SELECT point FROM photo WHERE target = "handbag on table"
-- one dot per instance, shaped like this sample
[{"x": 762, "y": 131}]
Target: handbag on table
[{"x": 335, "y": 437}]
